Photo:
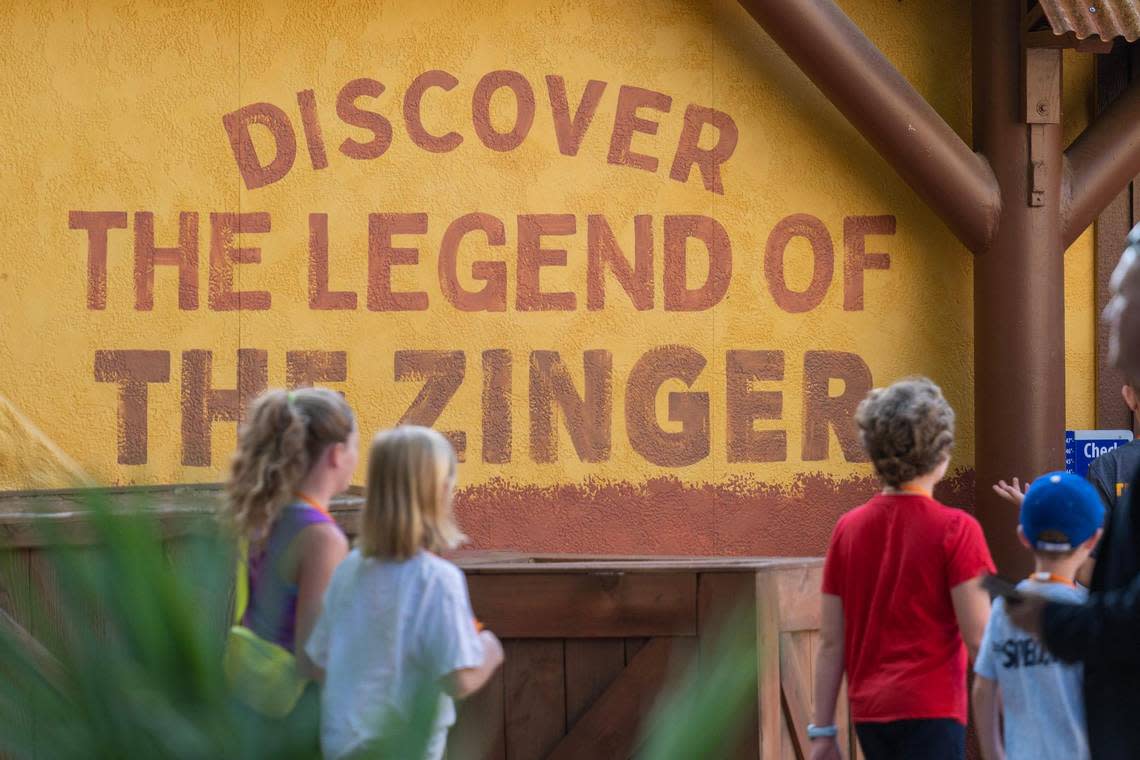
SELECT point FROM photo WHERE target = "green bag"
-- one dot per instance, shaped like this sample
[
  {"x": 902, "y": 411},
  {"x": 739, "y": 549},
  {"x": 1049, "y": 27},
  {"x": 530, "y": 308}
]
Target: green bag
[{"x": 260, "y": 673}]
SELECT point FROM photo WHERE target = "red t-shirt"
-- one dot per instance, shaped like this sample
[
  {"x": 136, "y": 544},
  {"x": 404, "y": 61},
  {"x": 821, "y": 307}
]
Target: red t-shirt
[{"x": 893, "y": 562}]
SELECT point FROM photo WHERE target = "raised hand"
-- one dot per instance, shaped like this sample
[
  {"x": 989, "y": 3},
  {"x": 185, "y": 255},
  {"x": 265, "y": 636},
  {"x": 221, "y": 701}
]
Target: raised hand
[{"x": 1014, "y": 493}]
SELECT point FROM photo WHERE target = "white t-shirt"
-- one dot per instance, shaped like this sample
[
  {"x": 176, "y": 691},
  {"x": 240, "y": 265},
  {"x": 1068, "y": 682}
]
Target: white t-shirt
[
  {"x": 388, "y": 629},
  {"x": 1041, "y": 696}
]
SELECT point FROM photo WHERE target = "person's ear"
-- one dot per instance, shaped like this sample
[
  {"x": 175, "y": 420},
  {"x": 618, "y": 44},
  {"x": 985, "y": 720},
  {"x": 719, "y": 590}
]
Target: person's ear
[
  {"x": 1093, "y": 540},
  {"x": 1021, "y": 537},
  {"x": 334, "y": 454}
]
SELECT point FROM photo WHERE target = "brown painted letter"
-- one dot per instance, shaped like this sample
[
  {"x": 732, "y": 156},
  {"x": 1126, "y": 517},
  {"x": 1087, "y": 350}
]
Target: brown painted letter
[
  {"x": 304, "y": 369},
  {"x": 203, "y": 404},
  {"x": 493, "y": 295},
  {"x": 253, "y": 172},
  {"x": 823, "y": 257},
  {"x": 311, "y": 125},
  {"x": 745, "y": 406},
  {"x": 571, "y": 131},
  {"x": 382, "y": 257},
  {"x": 588, "y": 418},
  {"x": 497, "y": 425},
  {"x": 133, "y": 371},
  {"x": 532, "y": 257},
  {"x": 353, "y": 115},
  {"x": 184, "y": 256},
  {"x": 603, "y": 251},
  {"x": 223, "y": 257},
  {"x": 708, "y": 159},
  {"x": 661, "y": 447},
  {"x": 823, "y": 411},
  {"x": 626, "y": 122},
  {"x": 413, "y": 117},
  {"x": 481, "y": 109},
  {"x": 855, "y": 232},
  {"x": 320, "y": 297},
  {"x": 678, "y": 230},
  {"x": 442, "y": 373},
  {"x": 97, "y": 223}
]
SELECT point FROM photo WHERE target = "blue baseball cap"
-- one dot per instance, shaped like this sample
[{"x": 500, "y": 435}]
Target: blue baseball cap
[{"x": 1060, "y": 512}]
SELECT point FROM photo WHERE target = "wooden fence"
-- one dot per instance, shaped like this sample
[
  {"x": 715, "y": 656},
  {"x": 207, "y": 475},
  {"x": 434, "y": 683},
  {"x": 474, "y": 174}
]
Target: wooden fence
[{"x": 591, "y": 642}]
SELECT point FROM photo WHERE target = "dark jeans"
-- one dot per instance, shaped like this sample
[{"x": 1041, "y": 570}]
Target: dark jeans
[{"x": 926, "y": 739}]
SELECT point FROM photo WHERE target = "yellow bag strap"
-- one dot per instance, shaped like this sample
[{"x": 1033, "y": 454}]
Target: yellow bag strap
[{"x": 241, "y": 581}]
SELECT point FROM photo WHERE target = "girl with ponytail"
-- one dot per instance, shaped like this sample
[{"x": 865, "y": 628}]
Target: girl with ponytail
[{"x": 296, "y": 451}]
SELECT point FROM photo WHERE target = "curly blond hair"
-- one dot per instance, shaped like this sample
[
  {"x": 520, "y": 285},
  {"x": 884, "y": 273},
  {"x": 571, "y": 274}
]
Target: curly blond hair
[
  {"x": 282, "y": 436},
  {"x": 907, "y": 429}
]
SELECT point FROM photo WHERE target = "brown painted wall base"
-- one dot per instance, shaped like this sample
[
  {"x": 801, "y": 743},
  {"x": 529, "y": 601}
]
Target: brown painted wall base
[{"x": 666, "y": 516}]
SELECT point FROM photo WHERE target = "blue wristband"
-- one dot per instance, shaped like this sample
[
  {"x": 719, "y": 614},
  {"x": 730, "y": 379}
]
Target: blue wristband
[{"x": 822, "y": 732}]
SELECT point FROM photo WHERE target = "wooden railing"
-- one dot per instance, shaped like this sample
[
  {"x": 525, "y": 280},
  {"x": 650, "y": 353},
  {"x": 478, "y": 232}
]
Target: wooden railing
[{"x": 591, "y": 642}]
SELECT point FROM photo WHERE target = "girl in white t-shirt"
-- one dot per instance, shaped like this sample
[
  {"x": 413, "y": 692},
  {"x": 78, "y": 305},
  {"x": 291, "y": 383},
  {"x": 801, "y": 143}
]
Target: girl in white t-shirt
[{"x": 397, "y": 633}]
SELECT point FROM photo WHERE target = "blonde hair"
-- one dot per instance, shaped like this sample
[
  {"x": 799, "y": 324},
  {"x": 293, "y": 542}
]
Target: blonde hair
[
  {"x": 282, "y": 436},
  {"x": 907, "y": 429},
  {"x": 411, "y": 476}
]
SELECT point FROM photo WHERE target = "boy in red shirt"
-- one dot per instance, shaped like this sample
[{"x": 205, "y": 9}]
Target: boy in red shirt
[{"x": 902, "y": 595}]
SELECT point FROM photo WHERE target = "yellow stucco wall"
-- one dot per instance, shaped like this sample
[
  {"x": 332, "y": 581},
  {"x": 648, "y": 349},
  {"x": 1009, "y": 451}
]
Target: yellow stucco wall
[{"x": 119, "y": 108}]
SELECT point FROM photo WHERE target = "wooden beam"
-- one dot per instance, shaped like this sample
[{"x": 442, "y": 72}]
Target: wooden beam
[
  {"x": 602, "y": 605},
  {"x": 1101, "y": 162},
  {"x": 612, "y": 726},
  {"x": 795, "y": 692},
  {"x": 830, "y": 49},
  {"x": 1112, "y": 226},
  {"x": 768, "y": 662}
]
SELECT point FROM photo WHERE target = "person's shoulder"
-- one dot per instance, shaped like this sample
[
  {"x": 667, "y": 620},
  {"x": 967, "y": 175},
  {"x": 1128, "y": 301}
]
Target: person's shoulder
[
  {"x": 859, "y": 513},
  {"x": 955, "y": 517},
  {"x": 434, "y": 568}
]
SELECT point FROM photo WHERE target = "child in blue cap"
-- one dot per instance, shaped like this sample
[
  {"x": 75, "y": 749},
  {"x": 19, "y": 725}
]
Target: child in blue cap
[{"x": 1040, "y": 697}]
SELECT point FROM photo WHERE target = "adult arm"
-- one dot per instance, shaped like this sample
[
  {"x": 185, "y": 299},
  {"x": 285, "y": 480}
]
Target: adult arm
[
  {"x": 1103, "y": 630},
  {"x": 829, "y": 666},
  {"x": 986, "y": 707},
  {"x": 972, "y": 610},
  {"x": 322, "y": 548}
]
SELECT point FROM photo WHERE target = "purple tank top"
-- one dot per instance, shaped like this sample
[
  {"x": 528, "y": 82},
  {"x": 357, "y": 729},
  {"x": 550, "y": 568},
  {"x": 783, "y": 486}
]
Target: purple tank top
[{"x": 272, "y": 609}]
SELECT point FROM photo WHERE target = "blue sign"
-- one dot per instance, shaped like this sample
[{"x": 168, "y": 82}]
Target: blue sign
[{"x": 1083, "y": 446}]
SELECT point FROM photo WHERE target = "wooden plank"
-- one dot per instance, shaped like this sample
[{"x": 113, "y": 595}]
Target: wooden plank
[
  {"x": 632, "y": 647},
  {"x": 1110, "y": 231},
  {"x": 719, "y": 597},
  {"x": 600, "y": 605},
  {"x": 1042, "y": 86},
  {"x": 479, "y": 732},
  {"x": 800, "y": 598},
  {"x": 768, "y": 659},
  {"x": 612, "y": 726},
  {"x": 535, "y": 697},
  {"x": 591, "y": 666},
  {"x": 795, "y": 687},
  {"x": 566, "y": 564},
  {"x": 16, "y": 600}
]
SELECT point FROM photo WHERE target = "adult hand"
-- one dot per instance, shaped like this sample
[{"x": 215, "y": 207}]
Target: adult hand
[
  {"x": 825, "y": 749},
  {"x": 1014, "y": 494},
  {"x": 1028, "y": 614}
]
